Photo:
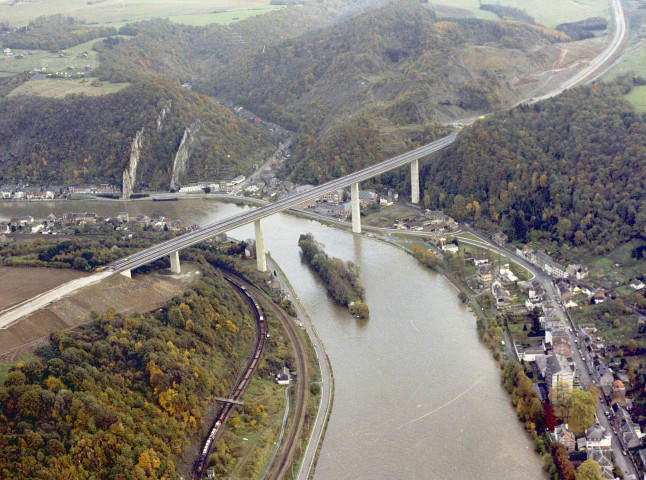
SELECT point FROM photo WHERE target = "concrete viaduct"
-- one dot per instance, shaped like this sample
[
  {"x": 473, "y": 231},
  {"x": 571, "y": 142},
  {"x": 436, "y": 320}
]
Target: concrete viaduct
[{"x": 173, "y": 246}]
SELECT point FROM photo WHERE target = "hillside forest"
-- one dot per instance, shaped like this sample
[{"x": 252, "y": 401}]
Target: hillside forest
[
  {"x": 571, "y": 169},
  {"x": 120, "y": 398},
  {"x": 357, "y": 82},
  {"x": 83, "y": 140}
]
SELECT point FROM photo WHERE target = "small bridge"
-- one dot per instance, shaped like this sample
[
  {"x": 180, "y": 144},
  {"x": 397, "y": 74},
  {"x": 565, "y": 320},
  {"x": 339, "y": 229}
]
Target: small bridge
[{"x": 228, "y": 400}]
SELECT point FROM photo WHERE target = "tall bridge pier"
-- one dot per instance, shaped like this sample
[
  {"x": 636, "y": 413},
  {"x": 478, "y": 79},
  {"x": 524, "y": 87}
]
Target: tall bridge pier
[
  {"x": 414, "y": 181},
  {"x": 261, "y": 258},
  {"x": 356, "y": 214},
  {"x": 175, "y": 267}
]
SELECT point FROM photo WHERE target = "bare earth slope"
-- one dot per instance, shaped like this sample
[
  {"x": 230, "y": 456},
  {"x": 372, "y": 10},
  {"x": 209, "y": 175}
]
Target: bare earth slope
[{"x": 139, "y": 294}]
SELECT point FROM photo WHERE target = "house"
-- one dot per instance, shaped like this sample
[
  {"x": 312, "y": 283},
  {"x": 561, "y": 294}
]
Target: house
[
  {"x": 499, "y": 238},
  {"x": 595, "y": 437},
  {"x": 627, "y": 429},
  {"x": 284, "y": 377},
  {"x": 558, "y": 370},
  {"x": 563, "y": 348},
  {"x": 564, "y": 436},
  {"x": 334, "y": 197},
  {"x": 484, "y": 274},
  {"x": 577, "y": 271},
  {"x": 26, "y": 221},
  {"x": 143, "y": 220},
  {"x": 343, "y": 211},
  {"x": 604, "y": 459},
  {"x": 176, "y": 225},
  {"x": 556, "y": 270},
  {"x": 450, "y": 247},
  {"x": 123, "y": 217},
  {"x": 367, "y": 198},
  {"x": 502, "y": 296},
  {"x": 480, "y": 259},
  {"x": 637, "y": 284},
  {"x": 599, "y": 296},
  {"x": 531, "y": 353}
]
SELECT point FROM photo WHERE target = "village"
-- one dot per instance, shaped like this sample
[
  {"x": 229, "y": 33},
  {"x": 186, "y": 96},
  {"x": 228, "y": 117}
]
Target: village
[{"x": 559, "y": 353}]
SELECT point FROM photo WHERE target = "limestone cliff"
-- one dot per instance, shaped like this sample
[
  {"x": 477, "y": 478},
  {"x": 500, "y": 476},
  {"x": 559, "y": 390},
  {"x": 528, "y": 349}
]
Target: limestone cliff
[
  {"x": 184, "y": 152},
  {"x": 162, "y": 115},
  {"x": 130, "y": 174}
]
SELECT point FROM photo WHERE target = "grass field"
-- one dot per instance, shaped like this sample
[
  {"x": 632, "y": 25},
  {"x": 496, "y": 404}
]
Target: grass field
[
  {"x": 112, "y": 11},
  {"x": 547, "y": 12},
  {"x": 59, "y": 87},
  {"x": 200, "y": 19},
  {"x": 637, "y": 97},
  {"x": 634, "y": 62},
  {"x": 52, "y": 61}
]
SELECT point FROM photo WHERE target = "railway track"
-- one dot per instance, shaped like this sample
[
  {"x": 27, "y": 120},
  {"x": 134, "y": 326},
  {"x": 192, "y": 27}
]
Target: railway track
[
  {"x": 285, "y": 457},
  {"x": 201, "y": 463}
]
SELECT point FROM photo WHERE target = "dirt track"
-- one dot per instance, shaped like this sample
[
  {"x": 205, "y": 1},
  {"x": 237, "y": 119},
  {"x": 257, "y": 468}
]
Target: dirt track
[{"x": 139, "y": 294}]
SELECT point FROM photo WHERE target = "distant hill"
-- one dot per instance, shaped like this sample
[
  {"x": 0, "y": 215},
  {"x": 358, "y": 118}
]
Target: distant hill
[
  {"x": 324, "y": 71},
  {"x": 395, "y": 69},
  {"x": 83, "y": 139},
  {"x": 571, "y": 169}
]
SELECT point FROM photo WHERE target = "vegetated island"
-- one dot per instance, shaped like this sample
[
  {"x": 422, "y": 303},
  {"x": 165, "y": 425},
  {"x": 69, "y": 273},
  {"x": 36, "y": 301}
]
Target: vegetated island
[{"x": 342, "y": 279}]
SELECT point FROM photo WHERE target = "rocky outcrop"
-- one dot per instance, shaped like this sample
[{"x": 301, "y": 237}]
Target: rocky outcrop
[
  {"x": 184, "y": 152},
  {"x": 162, "y": 115},
  {"x": 130, "y": 174}
]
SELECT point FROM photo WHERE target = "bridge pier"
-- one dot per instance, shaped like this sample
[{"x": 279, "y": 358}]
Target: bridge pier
[
  {"x": 175, "y": 267},
  {"x": 126, "y": 273},
  {"x": 261, "y": 259},
  {"x": 356, "y": 213},
  {"x": 414, "y": 181}
]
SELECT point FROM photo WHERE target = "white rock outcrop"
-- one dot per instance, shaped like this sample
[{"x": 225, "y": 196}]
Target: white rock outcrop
[
  {"x": 130, "y": 173},
  {"x": 184, "y": 152},
  {"x": 162, "y": 115}
]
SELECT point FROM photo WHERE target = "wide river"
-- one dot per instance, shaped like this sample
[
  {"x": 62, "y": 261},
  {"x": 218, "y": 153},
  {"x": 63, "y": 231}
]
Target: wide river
[{"x": 417, "y": 395}]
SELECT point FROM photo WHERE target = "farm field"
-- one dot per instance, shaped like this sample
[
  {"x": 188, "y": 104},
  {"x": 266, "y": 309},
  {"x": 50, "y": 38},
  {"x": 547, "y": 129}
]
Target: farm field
[
  {"x": 111, "y": 11},
  {"x": 51, "y": 60},
  {"x": 60, "y": 87},
  {"x": 200, "y": 19},
  {"x": 548, "y": 12}
]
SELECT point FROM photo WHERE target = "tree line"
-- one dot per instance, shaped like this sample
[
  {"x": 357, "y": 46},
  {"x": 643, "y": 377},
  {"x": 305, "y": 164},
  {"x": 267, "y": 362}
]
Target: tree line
[{"x": 341, "y": 279}]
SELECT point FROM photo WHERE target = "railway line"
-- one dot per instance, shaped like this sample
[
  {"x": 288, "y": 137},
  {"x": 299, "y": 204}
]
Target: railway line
[
  {"x": 201, "y": 463},
  {"x": 250, "y": 294}
]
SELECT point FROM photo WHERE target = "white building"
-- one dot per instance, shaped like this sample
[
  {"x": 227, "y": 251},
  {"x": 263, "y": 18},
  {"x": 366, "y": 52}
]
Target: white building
[
  {"x": 558, "y": 370},
  {"x": 595, "y": 437}
]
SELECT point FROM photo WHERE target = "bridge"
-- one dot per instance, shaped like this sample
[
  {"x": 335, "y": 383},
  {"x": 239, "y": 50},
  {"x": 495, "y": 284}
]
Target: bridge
[{"x": 172, "y": 247}]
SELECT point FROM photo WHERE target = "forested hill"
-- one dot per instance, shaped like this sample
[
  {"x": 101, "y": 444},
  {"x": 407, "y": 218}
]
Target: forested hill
[
  {"x": 121, "y": 398},
  {"x": 82, "y": 139},
  {"x": 570, "y": 169},
  {"x": 389, "y": 72},
  {"x": 399, "y": 61},
  {"x": 182, "y": 52},
  {"x": 393, "y": 70}
]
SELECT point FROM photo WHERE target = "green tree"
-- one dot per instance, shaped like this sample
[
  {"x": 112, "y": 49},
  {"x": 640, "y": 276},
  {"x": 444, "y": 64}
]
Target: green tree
[
  {"x": 581, "y": 407},
  {"x": 589, "y": 470}
]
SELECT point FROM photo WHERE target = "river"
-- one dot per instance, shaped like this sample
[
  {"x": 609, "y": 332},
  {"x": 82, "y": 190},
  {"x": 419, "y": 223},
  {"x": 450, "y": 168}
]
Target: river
[{"x": 417, "y": 395}]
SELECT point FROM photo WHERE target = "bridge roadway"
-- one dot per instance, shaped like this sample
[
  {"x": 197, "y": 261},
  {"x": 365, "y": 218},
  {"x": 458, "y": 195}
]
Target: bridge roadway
[{"x": 166, "y": 248}]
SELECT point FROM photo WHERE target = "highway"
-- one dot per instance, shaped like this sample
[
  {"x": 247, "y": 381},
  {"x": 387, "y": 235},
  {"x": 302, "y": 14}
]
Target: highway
[
  {"x": 166, "y": 248},
  {"x": 596, "y": 63}
]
